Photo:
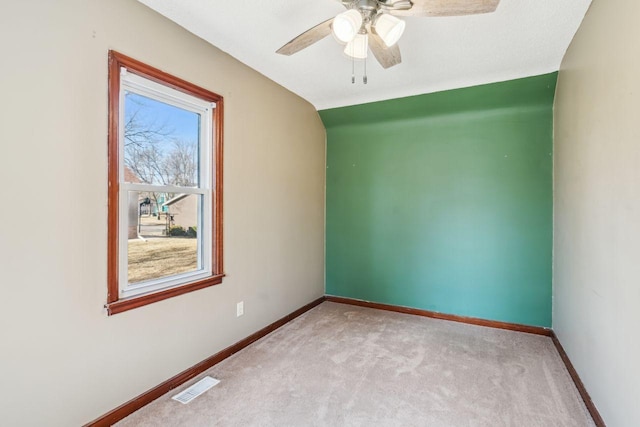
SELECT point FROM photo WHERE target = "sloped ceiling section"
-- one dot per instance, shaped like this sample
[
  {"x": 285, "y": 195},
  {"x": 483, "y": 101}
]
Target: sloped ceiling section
[{"x": 522, "y": 38}]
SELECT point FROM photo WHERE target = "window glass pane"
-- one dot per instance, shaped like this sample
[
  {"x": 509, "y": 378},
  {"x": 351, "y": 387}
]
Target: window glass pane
[
  {"x": 161, "y": 143},
  {"x": 163, "y": 235}
]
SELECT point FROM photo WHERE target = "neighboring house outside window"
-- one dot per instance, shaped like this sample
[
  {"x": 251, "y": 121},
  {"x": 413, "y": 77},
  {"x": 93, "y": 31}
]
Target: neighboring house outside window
[
  {"x": 182, "y": 212},
  {"x": 165, "y": 186}
]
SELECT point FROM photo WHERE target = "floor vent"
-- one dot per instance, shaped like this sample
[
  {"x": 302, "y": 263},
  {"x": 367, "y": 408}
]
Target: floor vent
[{"x": 188, "y": 394}]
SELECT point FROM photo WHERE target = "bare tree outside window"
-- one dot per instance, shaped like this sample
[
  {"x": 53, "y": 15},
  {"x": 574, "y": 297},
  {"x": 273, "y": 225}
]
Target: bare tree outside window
[{"x": 154, "y": 149}]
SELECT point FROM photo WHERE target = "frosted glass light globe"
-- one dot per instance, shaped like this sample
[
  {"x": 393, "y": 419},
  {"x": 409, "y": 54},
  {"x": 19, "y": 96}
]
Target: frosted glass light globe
[
  {"x": 358, "y": 47},
  {"x": 389, "y": 28},
  {"x": 346, "y": 25}
]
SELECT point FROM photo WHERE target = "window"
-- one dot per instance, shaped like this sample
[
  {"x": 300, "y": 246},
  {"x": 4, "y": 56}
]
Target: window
[{"x": 165, "y": 186}]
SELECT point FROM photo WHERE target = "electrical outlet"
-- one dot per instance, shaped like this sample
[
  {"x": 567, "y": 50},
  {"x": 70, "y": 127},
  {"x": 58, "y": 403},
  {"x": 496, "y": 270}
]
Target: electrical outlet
[{"x": 240, "y": 309}]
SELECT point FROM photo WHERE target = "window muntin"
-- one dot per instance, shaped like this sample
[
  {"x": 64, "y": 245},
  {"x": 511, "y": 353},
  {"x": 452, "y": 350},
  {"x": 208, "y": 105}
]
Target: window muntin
[{"x": 167, "y": 178}]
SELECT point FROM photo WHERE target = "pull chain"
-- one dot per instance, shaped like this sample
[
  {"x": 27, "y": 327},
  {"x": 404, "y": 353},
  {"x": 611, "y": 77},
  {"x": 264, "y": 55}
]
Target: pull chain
[
  {"x": 364, "y": 78},
  {"x": 353, "y": 68}
]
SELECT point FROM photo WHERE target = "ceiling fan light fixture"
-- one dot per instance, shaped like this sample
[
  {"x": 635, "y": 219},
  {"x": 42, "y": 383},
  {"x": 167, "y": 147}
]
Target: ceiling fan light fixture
[
  {"x": 358, "y": 47},
  {"x": 389, "y": 28},
  {"x": 346, "y": 25}
]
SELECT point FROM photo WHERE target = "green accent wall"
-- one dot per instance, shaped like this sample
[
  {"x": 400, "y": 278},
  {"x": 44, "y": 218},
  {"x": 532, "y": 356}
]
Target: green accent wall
[{"x": 443, "y": 201}]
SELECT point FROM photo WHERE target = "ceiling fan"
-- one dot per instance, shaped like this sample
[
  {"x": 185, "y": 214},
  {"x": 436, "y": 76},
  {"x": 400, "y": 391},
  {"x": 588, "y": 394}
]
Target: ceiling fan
[{"x": 372, "y": 24}]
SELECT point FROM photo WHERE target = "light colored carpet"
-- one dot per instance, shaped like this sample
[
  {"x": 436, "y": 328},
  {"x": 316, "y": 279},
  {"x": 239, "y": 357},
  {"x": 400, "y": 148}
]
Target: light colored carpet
[{"x": 341, "y": 365}]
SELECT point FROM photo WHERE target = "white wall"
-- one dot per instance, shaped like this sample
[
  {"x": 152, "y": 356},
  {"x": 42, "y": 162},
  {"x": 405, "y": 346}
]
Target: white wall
[
  {"x": 597, "y": 208},
  {"x": 63, "y": 361}
]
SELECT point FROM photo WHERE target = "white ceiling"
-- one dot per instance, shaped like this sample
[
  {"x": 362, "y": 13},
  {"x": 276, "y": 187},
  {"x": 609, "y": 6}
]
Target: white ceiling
[{"x": 522, "y": 38}]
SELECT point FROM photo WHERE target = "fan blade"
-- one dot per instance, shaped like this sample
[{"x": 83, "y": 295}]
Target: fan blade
[
  {"x": 447, "y": 8},
  {"x": 307, "y": 38},
  {"x": 386, "y": 56}
]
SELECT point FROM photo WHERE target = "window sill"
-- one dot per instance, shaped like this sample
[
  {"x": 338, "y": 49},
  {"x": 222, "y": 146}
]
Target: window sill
[{"x": 126, "y": 304}]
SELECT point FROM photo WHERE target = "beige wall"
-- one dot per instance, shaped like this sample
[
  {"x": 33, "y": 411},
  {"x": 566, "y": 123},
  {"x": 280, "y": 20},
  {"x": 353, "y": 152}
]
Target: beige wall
[
  {"x": 597, "y": 208},
  {"x": 63, "y": 361}
]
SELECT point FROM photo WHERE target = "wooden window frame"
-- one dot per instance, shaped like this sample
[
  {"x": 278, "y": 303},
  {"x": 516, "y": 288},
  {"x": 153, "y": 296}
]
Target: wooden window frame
[{"x": 115, "y": 304}]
